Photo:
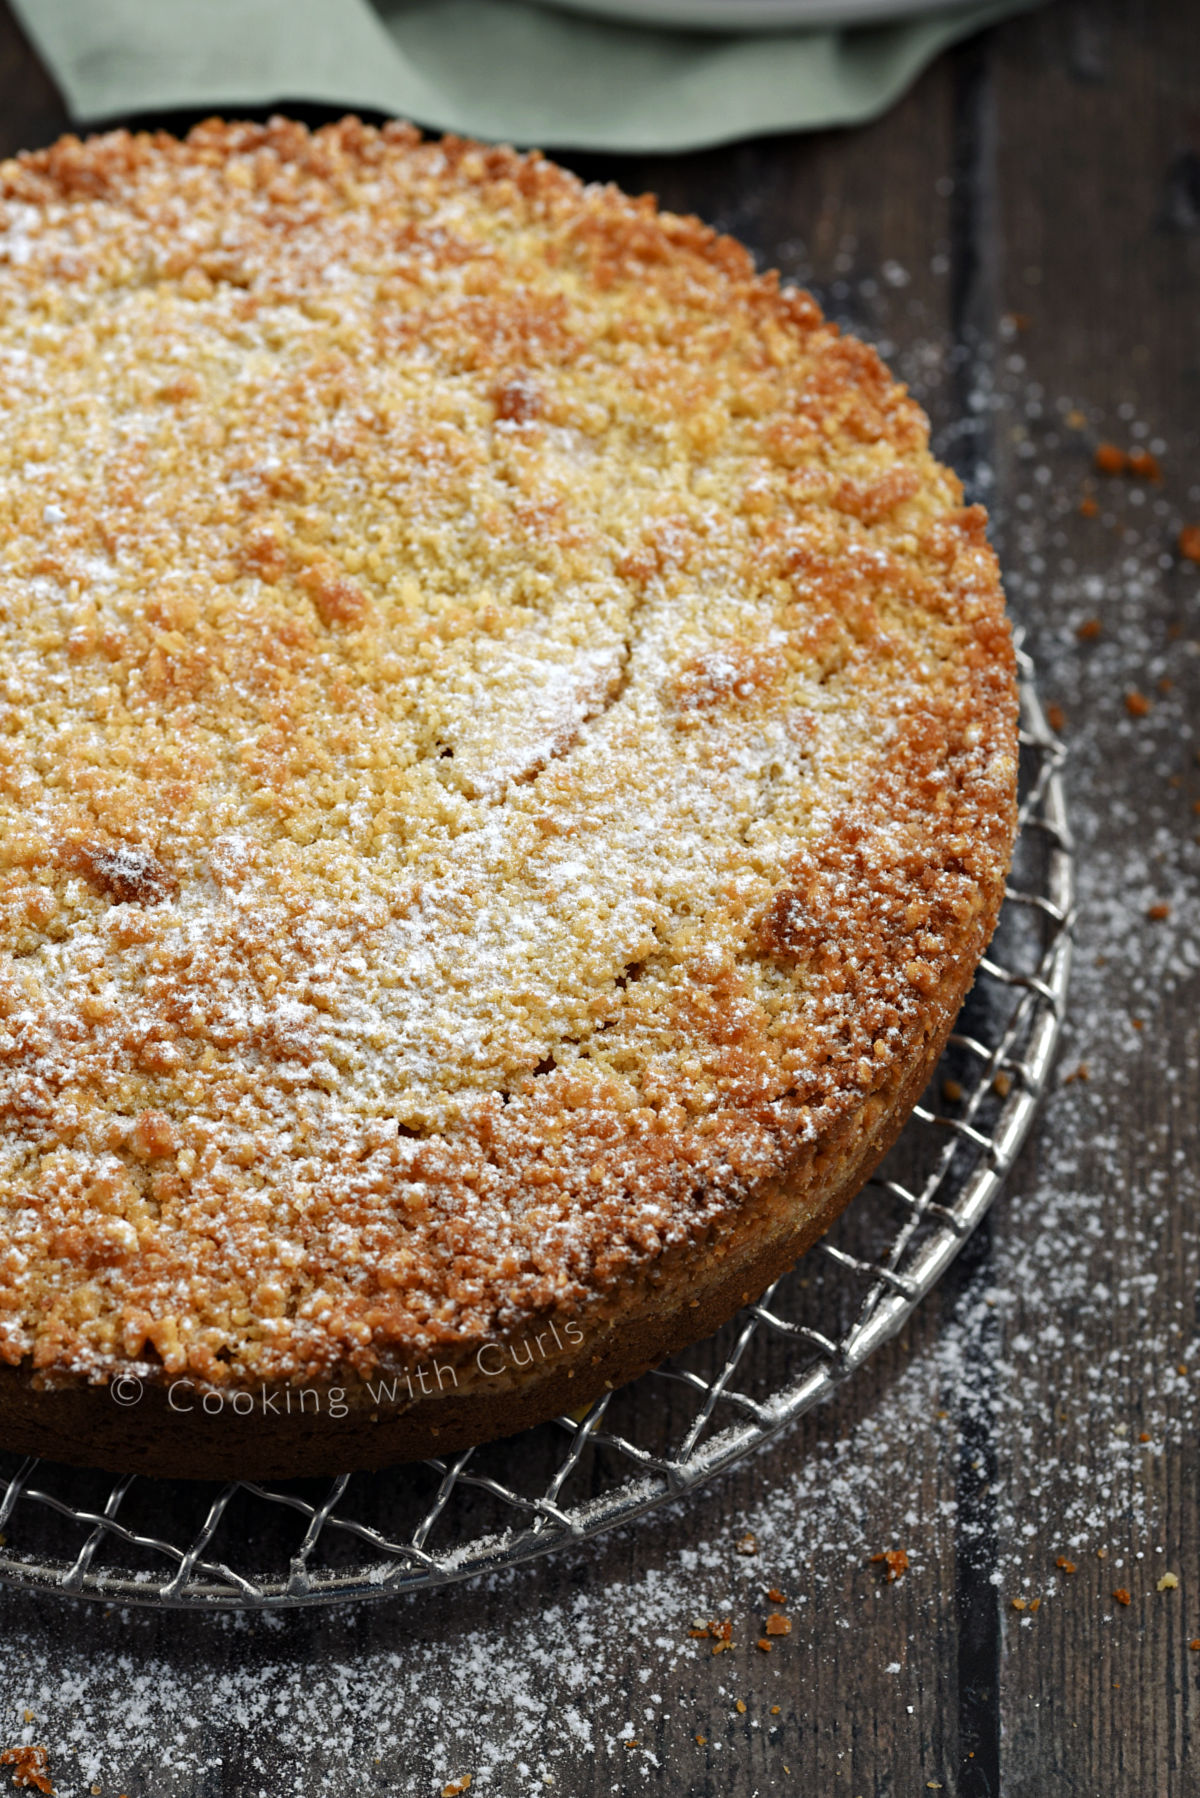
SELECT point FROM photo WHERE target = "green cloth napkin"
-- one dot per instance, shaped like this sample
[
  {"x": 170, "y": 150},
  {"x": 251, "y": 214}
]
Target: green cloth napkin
[{"x": 498, "y": 69}]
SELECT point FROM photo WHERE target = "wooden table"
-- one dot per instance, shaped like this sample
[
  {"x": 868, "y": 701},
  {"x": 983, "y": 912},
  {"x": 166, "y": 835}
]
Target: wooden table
[{"x": 1024, "y": 232}]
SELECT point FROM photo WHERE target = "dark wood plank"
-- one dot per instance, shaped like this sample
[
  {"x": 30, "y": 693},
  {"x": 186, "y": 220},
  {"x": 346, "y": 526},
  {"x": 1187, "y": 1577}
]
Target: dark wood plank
[
  {"x": 32, "y": 113},
  {"x": 1096, "y": 141}
]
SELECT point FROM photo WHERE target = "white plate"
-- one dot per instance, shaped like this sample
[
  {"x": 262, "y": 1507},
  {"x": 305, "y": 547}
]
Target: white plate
[{"x": 753, "y": 15}]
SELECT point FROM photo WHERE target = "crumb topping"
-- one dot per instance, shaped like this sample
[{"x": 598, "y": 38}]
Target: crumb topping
[{"x": 505, "y": 733}]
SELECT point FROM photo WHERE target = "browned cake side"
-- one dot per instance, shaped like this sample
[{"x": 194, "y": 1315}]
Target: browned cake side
[{"x": 507, "y": 769}]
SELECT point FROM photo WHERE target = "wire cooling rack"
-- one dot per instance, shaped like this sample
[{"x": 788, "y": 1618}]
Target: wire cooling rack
[{"x": 152, "y": 1542}]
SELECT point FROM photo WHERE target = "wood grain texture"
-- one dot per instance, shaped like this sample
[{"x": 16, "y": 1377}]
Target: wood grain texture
[
  {"x": 1099, "y": 119},
  {"x": 1038, "y": 193}
]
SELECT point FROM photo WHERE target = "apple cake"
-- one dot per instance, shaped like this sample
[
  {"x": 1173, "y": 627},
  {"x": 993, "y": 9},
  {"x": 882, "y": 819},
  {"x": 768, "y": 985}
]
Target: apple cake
[{"x": 507, "y": 770}]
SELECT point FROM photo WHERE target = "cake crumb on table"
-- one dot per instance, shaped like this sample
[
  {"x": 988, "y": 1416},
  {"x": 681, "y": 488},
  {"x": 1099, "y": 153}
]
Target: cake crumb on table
[
  {"x": 30, "y": 1765},
  {"x": 896, "y": 1562},
  {"x": 719, "y": 1631},
  {"x": 1109, "y": 459}
]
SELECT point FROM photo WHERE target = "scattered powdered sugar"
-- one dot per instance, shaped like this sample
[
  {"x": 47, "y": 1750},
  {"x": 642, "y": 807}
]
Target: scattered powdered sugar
[{"x": 530, "y": 1679}]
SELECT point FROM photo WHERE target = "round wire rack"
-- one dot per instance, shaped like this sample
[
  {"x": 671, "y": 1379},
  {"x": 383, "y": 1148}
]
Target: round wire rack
[{"x": 131, "y": 1540}]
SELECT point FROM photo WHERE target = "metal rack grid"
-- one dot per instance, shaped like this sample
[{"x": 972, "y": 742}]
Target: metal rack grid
[{"x": 131, "y": 1540}]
